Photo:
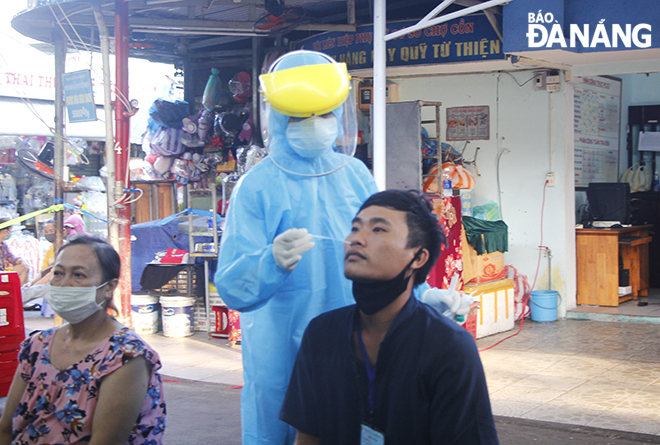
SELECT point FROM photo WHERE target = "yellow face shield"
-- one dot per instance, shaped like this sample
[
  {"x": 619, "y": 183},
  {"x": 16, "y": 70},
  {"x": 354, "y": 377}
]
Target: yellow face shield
[{"x": 308, "y": 90}]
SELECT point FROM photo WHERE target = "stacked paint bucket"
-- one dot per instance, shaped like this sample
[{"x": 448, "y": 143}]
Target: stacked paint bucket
[
  {"x": 145, "y": 312},
  {"x": 177, "y": 301},
  {"x": 12, "y": 327}
]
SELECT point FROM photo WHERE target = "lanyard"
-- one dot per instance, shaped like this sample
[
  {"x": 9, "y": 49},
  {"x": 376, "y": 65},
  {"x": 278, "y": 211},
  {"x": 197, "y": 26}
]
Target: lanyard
[{"x": 371, "y": 370}]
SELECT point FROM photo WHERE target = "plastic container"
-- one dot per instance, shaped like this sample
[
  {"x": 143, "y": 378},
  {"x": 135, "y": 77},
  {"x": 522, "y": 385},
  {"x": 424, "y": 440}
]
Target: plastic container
[
  {"x": 447, "y": 191},
  {"x": 221, "y": 322},
  {"x": 145, "y": 311},
  {"x": 178, "y": 316},
  {"x": 544, "y": 304}
]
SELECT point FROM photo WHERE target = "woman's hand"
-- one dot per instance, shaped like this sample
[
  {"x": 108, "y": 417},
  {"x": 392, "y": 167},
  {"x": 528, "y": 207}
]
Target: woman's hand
[{"x": 120, "y": 400}]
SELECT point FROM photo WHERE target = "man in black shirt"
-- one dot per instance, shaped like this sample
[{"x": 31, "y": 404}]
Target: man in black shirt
[{"x": 389, "y": 369}]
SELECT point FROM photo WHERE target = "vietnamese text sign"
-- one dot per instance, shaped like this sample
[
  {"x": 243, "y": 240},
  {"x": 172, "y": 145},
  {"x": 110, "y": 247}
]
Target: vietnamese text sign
[
  {"x": 596, "y": 123},
  {"x": 78, "y": 96},
  {"x": 471, "y": 38},
  {"x": 468, "y": 123}
]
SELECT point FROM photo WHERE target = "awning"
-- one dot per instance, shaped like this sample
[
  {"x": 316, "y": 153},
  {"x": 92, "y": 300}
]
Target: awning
[{"x": 33, "y": 117}]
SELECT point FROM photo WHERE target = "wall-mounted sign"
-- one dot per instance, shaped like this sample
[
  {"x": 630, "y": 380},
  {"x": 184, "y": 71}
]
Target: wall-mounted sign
[
  {"x": 468, "y": 123},
  {"x": 78, "y": 96},
  {"x": 468, "y": 39},
  {"x": 580, "y": 26},
  {"x": 596, "y": 128}
]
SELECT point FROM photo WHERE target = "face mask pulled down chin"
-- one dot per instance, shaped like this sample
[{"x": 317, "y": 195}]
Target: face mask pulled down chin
[
  {"x": 313, "y": 136},
  {"x": 372, "y": 296},
  {"x": 74, "y": 304}
]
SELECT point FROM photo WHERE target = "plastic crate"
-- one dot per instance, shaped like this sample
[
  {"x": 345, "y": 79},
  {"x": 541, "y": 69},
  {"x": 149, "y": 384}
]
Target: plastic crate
[
  {"x": 4, "y": 389},
  {"x": 471, "y": 326},
  {"x": 10, "y": 343},
  {"x": 186, "y": 283},
  {"x": 11, "y": 305},
  {"x": 8, "y": 356}
]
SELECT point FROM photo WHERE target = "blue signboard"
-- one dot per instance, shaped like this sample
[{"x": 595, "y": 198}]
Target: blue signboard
[
  {"x": 78, "y": 96},
  {"x": 580, "y": 26},
  {"x": 468, "y": 39}
]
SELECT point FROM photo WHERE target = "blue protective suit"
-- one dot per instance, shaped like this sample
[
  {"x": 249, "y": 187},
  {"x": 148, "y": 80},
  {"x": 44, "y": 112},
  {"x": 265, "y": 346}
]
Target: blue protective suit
[{"x": 276, "y": 305}]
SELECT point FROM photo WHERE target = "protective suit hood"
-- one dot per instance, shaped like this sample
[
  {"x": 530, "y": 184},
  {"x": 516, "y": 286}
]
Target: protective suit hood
[{"x": 286, "y": 158}]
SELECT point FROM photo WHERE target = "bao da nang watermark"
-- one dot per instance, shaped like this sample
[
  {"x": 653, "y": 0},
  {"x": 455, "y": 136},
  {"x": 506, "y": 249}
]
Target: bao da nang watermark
[{"x": 584, "y": 35}]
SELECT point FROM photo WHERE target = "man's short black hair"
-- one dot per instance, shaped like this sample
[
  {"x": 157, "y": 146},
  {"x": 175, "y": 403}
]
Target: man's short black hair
[{"x": 423, "y": 228}]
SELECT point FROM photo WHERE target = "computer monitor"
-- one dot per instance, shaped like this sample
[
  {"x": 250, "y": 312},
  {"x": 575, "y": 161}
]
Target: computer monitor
[{"x": 609, "y": 201}]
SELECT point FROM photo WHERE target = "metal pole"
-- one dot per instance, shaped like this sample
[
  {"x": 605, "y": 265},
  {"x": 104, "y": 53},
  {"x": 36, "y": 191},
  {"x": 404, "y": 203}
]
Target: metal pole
[
  {"x": 379, "y": 121},
  {"x": 122, "y": 151},
  {"x": 256, "y": 119},
  {"x": 58, "y": 161},
  {"x": 113, "y": 229}
]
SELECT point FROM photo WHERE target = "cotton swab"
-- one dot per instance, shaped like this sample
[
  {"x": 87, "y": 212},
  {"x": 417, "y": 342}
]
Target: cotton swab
[{"x": 331, "y": 239}]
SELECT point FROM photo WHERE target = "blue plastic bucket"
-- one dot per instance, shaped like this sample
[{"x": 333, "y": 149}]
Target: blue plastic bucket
[{"x": 544, "y": 304}]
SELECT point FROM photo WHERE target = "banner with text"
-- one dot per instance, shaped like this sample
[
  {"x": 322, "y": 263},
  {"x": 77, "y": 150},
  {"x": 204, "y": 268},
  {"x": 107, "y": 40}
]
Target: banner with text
[{"x": 468, "y": 39}]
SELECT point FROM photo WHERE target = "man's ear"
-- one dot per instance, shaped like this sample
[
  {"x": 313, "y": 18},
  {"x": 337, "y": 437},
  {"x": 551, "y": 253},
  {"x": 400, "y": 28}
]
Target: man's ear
[{"x": 420, "y": 260}]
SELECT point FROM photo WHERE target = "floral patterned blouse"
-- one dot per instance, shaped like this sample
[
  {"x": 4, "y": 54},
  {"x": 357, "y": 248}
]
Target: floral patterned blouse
[{"x": 58, "y": 406}]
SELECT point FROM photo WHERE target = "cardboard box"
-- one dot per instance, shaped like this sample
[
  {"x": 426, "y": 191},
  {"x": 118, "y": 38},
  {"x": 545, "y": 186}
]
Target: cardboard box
[
  {"x": 483, "y": 268},
  {"x": 496, "y": 313}
]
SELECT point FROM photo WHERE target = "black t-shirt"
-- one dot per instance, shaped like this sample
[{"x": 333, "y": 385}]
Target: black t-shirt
[{"x": 430, "y": 385}]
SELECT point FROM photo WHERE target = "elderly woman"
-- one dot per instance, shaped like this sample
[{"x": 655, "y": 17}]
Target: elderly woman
[{"x": 92, "y": 380}]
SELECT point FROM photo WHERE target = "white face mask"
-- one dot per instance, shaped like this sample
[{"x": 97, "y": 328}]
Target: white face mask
[
  {"x": 313, "y": 136},
  {"x": 74, "y": 304}
]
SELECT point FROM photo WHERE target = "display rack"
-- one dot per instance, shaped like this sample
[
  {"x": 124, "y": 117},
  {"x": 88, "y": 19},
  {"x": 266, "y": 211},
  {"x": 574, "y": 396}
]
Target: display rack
[
  {"x": 203, "y": 199},
  {"x": 439, "y": 157}
]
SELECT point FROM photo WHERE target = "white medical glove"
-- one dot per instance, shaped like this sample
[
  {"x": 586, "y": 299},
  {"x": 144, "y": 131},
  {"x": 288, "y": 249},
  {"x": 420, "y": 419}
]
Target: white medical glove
[
  {"x": 467, "y": 300},
  {"x": 289, "y": 246},
  {"x": 435, "y": 298}
]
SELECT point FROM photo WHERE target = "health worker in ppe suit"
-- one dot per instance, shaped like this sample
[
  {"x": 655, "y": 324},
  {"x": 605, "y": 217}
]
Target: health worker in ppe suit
[
  {"x": 308, "y": 184},
  {"x": 269, "y": 268}
]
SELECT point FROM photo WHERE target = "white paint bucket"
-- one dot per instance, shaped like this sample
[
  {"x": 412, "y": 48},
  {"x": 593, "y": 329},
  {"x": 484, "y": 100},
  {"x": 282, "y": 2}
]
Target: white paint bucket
[
  {"x": 145, "y": 312},
  {"x": 177, "y": 316}
]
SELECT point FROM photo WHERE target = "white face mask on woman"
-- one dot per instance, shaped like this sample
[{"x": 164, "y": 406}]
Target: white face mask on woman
[{"x": 74, "y": 304}]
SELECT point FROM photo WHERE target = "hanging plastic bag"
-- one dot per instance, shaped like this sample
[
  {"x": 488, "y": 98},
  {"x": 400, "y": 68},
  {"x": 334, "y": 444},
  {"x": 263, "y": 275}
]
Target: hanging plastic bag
[
  {"x": 204, "y": 124},
  {"x": 212, "y": 91},
  {"x": 167, "y": 142},
  {"x": 488, "y": 212},
  {"x": 461, "y": 178},
  {"x": 167, "y": 113},
  {"x": 639, "y": 178}
]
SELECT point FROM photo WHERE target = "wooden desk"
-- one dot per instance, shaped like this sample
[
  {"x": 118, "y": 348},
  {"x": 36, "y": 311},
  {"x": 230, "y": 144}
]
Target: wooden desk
[{"x": 598, "y": 263}]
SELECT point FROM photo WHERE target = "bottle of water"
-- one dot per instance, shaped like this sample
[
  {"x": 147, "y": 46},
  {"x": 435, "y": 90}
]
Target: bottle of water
[
  {"x": 11, "y": 187},
  {"x": 446, "y": 183}
]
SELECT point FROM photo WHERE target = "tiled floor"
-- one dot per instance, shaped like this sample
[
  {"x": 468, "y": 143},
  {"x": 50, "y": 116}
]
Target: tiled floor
[{"x": 577, "y": 371}]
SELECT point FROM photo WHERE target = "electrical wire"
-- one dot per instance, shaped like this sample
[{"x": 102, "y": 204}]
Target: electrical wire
[
  {"x": 70, "y": 24},
  {"x": 516, "y": 80},
  {"x": 134, "y": 199},
  {"x": 118, "y": 94},
  {"x": 499, "y": 191},
  {"x": 526, "y": 297}
]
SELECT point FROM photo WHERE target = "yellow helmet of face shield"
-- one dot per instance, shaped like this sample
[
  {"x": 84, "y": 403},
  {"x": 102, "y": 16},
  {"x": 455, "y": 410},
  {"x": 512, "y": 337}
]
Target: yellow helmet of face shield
[{"x": 308, "y": 90}]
